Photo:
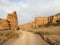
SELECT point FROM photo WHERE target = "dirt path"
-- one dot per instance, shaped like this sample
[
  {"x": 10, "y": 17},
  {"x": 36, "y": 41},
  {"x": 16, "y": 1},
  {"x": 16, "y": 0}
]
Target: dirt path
[{"x": 27, "y": 38}]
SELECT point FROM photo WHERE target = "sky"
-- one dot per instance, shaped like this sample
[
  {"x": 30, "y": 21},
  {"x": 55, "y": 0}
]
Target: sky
[{"x": 27, "y": 10}]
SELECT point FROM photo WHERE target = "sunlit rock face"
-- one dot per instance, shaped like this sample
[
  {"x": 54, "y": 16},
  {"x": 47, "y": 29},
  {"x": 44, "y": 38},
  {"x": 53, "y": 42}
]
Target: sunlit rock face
[
  {"x": 13, "y": 20},
  {"x": 4, "y": 24},
  {"x": 47, "y": 20},
  {"x": 56, "y": 18},
  {"x": 10, "y": 23},
  {"x": 28, "y": 25},
  {"x": 40, "y": 21}
]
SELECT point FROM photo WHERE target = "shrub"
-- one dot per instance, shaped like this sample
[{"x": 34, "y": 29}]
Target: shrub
[{"x": 8, "y": 33}]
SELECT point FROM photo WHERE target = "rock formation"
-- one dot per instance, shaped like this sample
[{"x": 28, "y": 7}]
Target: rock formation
[
  {"x": 28, "y": 25},
  {"x": 4, "y": 24},
  {"x": 42, "y": 21},
  {"x": 39, "y": 21},
  {"x": 12, "y": 18},
  {"x": 56, "y": 18},
  {"x": 10, "y": 23}
]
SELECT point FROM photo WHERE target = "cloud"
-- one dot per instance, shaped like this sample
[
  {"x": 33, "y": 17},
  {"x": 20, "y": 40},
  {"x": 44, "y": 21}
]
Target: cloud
[{"x": 28, "y": 9}]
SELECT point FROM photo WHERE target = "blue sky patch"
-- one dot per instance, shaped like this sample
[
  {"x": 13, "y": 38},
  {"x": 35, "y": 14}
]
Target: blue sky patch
[{"x": 15, "y": 1}]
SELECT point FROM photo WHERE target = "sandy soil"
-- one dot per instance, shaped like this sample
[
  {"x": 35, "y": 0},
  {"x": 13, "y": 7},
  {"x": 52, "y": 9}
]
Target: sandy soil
[{"x": 26, "y": 38}]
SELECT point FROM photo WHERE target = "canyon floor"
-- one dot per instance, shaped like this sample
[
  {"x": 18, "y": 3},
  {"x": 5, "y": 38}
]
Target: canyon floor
[
  {"x": 26, "y": 38},
  {"x": 38, "y": 36}
]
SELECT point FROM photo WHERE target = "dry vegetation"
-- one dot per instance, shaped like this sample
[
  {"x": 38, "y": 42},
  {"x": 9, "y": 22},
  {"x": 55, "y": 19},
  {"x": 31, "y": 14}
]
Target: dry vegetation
[
  {"x": 7, "y": 34},
  {"x": 49, "y": 34}
]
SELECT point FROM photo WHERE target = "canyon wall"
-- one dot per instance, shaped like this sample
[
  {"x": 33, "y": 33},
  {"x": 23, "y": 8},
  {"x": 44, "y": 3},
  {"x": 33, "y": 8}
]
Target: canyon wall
[
  {"x": 28, "y": 25},
  {"x": 56, "y": 18},
  {"x": 12, "y": 22},
  {"x": 41, "y": 21}
]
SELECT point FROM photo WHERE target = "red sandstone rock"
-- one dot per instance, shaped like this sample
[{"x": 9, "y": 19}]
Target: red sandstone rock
[
  {"x": 4, "y": 24},
  {"x": 39, "y": 21},
  {"x": 12, "y": 18}
]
